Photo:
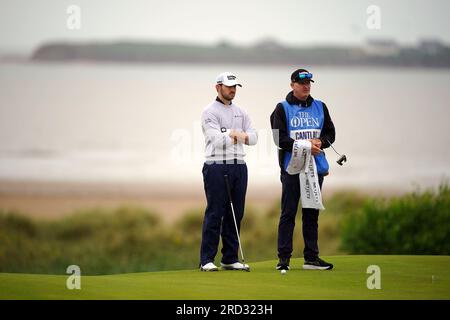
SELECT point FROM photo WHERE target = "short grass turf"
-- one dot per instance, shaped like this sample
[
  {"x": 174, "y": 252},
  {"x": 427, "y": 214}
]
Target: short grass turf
[{"x": 402, "y": 277}]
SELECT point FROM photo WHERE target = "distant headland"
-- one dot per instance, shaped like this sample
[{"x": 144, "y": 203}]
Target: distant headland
[{"x": 426, "y": 53}]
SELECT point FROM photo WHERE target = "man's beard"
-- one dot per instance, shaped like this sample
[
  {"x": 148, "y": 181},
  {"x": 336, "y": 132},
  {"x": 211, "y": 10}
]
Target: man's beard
[{"x": 229, "y": 97}]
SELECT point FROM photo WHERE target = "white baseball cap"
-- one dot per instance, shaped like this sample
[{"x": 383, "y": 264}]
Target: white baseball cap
[{"x": 228, "y": 79}]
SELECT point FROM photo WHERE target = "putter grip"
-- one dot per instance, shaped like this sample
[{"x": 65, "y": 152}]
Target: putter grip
[{"x": 227, "y": 183}]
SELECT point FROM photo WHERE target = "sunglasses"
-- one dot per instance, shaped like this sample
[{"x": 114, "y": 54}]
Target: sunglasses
[{"x": 304, "y": 76}]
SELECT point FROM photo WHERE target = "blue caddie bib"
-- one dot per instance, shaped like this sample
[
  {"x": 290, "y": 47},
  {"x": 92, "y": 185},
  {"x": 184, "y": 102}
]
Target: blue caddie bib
[{"x": 305, "y": 123}]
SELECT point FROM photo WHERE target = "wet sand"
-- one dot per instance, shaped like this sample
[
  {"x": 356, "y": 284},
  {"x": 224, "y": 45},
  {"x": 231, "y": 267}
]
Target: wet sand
[{"x": 50, "y": 200}]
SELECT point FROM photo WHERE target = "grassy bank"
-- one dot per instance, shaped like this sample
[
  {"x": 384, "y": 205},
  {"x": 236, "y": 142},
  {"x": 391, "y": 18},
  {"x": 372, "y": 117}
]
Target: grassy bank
[{"x": 133, "y": 239}]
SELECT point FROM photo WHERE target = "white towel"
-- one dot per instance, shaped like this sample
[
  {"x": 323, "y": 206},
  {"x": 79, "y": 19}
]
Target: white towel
[{"x": 302, "y": 162}]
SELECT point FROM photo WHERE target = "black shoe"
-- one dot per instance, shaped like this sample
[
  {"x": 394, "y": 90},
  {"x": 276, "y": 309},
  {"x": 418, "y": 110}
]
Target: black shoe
[
  {"x": 317, "y": 264},
  {"x": 283, "y": 264}
]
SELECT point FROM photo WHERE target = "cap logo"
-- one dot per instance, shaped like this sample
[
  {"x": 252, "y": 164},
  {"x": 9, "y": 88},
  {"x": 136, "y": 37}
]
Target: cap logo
[{"x": 231, "y": 77}]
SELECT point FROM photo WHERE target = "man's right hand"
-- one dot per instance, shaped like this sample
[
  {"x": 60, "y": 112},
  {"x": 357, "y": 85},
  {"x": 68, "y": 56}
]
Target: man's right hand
[{"x": 315, "y": 147}]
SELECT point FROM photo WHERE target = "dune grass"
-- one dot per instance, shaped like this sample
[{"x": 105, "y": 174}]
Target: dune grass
[
  {"x": 414, "y": 223},
  {"x": 134, "y": 239}
]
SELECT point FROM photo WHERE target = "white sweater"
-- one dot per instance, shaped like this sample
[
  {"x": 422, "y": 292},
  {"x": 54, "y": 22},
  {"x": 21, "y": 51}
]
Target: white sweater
[{"x": 217, "y": 121}]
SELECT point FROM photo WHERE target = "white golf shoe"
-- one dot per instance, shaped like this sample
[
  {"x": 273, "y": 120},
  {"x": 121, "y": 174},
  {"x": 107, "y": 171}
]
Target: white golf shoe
[
  {"x": 209, "y": 267},
  {"x": 235, "y": 266}
]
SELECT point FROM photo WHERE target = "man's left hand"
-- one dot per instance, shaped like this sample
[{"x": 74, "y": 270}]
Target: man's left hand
[
  {"x": 315, "y": 146},
  {"x": 316, "y": 142}
]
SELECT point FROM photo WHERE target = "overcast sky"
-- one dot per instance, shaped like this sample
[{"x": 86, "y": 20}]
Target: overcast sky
[{"x": 24, "y": 24}]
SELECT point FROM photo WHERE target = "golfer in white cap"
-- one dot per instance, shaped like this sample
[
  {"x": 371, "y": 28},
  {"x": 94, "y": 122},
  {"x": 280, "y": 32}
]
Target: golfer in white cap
[{"x": 227, "y": 128}]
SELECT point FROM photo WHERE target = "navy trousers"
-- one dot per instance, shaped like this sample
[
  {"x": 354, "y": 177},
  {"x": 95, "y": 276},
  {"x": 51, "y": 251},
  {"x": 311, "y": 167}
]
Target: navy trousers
[
  {"x": 289, "y": 204},
  {"x": 218, "y": 221}
]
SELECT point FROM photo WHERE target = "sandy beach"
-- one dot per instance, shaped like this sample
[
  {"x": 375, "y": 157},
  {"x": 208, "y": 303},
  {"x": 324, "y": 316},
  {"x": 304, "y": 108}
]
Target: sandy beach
[{"x": 50, "y": 200}]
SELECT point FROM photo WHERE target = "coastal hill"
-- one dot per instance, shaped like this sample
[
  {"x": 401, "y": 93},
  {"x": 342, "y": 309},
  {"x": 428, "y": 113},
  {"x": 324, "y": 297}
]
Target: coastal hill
[{"x": 426, "y": 53}]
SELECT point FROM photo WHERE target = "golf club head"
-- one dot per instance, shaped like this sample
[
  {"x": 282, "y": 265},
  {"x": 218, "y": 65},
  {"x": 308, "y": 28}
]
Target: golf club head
[
  {"x": 341, "y": 160},
  {"x": 246, "y": 267}
]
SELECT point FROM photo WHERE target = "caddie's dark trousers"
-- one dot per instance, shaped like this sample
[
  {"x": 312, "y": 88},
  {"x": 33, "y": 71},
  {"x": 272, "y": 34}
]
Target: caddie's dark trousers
[
  {"x": 218, "y": 220},
  {"x": 289, "y": 203}
]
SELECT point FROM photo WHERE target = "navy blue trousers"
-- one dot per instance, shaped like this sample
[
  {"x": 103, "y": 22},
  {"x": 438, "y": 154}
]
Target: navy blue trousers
[
  {"x": 290, "y": 197},
  {"x": 218, "y": 221}
]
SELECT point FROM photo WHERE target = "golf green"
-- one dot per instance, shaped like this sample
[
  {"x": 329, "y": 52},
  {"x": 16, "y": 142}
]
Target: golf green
[{"x": 400, "y": 277}]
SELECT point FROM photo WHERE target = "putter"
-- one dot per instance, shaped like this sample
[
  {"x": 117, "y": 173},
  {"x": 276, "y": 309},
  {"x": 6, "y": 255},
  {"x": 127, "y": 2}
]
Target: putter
[
  {"x": 234, "y": 218},
  {"x": 342, "y": 158}
]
